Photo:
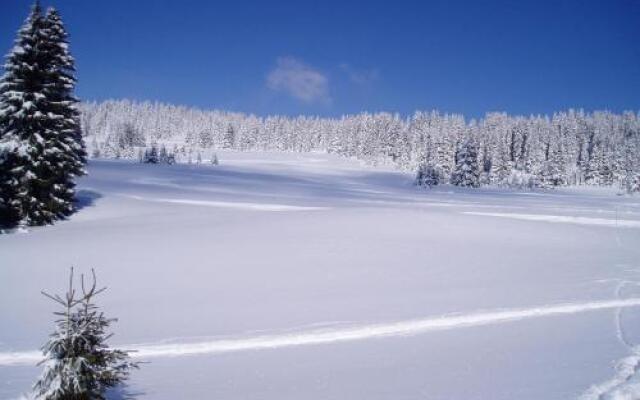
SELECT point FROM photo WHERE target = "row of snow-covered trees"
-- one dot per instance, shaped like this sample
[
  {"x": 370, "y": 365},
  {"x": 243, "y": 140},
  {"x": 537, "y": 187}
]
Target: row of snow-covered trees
[
  {"x": 160, "y": 155},
  {"x": 41, "y": 146},
  {"x": 119, "y": 128},
  {"x": 573, "y": 147}
]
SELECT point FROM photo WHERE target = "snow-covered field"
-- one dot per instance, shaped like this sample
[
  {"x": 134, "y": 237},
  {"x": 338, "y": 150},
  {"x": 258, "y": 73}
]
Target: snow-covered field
[{"x": 306, "y": 276}]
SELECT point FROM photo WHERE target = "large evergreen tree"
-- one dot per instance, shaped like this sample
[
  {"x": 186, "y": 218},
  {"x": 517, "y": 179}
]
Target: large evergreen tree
[
  {"x": 66, "y": 151},
  {"x": 41, "y": 148},
  {"x": 22, "y": 110}
]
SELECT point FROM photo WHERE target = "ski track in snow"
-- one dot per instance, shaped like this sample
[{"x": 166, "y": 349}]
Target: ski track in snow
[
  {"x": 613, "y": 223},
  {"x": 229, "y": 204},
  {"x": 335, "y": 335}
]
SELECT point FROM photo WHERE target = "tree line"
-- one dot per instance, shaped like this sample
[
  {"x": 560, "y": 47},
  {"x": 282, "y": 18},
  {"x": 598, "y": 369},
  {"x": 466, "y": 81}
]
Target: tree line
[{"x": 572, "y": 147}]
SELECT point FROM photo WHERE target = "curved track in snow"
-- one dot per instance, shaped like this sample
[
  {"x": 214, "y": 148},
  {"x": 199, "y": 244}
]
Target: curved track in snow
[
  {"x": 625, "y": 384},
  {"x": 362, "y": 332}
]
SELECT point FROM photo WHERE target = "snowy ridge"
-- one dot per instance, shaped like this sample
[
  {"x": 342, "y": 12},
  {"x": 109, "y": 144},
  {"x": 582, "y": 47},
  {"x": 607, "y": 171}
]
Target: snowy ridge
[
  {"x": 314, "y": 337},
  {"x": 614, "y": 223}
]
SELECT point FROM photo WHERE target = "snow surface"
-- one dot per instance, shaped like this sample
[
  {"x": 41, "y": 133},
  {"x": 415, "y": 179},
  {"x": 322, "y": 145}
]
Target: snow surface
[
  {"x": 306, "y": 276},
  {"x": 622, "y": 223}
]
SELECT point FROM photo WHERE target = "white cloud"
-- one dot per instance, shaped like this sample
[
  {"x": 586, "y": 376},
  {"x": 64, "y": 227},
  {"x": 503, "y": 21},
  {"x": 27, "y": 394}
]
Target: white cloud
[
  {"x": 360, "y": 76},
  {"x": 299, "y": 80}
]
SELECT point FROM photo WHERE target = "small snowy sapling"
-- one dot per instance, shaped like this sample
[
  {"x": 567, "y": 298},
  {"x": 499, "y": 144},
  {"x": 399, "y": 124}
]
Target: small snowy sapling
[{"x": 78, "y": 363}]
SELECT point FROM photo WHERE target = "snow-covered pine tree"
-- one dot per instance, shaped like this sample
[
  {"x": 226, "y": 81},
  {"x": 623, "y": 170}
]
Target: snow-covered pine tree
[
  {"x": 229, "y": 138},
  {"x": 95, "y": 148},
  {"x": 65, "y": 152},
  {"x": 593, "y": 166},
  {"x": 501, "y": 165},
  {"x": 553, "y": 172},
  {"x": 171, "y": 158},
  {"x": 163, "y": 157},
  {"x": 607, "y": 165},
  {"x": 205, "y": 139},
  {"x": 22, "y": 110},
  {"x": 175, "y": 153},
  {"x": 632, "y": 184},
  {"x": 631, "y": 177},
  {"x": 467, "y": 172},
  {"x": 126, "y": 138},
  {"x": 427, "y": 175},
  {"x": 78, "y": 363},
  {"x": 12, "y": 190},
  {"x": 40, "y": 141},
  {"x": 151, "y": 155}
]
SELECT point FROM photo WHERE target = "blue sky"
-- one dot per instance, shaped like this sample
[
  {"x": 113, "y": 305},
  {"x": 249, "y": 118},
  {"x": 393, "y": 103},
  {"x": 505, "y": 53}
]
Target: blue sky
[{"x": 338, "y": 57}]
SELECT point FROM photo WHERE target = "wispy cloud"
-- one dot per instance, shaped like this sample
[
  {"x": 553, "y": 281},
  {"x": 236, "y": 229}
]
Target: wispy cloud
[
  {"x": 299, "y": 80},
  {"x": 360, "y": 76}
]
